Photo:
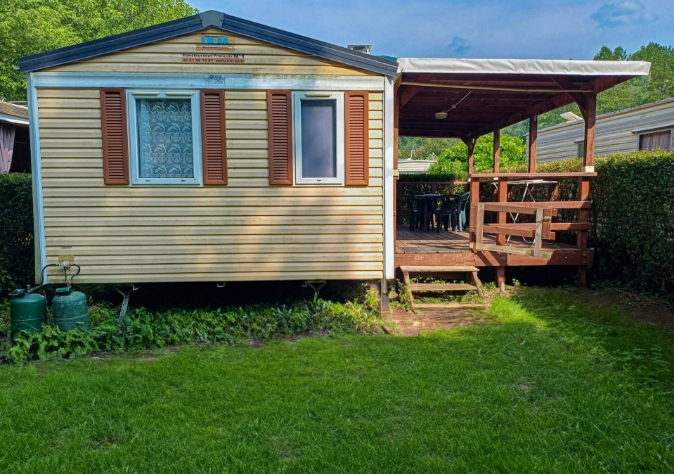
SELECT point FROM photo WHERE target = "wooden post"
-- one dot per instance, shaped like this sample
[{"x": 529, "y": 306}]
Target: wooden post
[
  {"x": 533, "y": 142},
  {"x": 470, "y": 143},
  {"x": 590, "y": 119},
  {"x": 502, "y": 216},
  {"x": 497, "y": 151},
  {"x": 590, "y": 113},
  {"x": 500, "y": 278}
]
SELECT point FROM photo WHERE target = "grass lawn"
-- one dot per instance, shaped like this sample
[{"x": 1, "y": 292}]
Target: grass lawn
[{"x": 543, "y": 384}]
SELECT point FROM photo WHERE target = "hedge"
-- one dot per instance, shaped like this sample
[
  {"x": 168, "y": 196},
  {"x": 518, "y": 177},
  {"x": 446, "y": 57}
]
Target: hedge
[
  {"x": 632, "y": 217},
  {"x": 16, "y": 231}
]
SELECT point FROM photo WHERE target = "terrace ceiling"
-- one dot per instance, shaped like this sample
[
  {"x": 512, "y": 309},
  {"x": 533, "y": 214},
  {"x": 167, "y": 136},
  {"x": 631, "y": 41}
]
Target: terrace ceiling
[{"x": 484, "y": 102}]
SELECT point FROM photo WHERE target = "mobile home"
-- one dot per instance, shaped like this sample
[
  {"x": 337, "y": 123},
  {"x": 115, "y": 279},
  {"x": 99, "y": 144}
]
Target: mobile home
[
  {"x": 646, "y": 127},
  {"x": 216, "y": 149}
]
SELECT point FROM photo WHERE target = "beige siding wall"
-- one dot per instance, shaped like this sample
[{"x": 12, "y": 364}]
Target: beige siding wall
[
  {"x": 167, "y": 56},
  {"x": 247, "y": 230},
  {"x": 614, "y": 132}
]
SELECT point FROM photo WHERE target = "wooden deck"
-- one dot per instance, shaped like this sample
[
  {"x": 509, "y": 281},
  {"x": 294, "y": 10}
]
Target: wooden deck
[{"x": 452, "y": 248}]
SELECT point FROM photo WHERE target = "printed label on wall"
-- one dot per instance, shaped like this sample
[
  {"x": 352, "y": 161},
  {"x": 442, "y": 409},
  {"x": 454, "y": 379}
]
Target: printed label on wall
[
  {"x": 210, "y": 41},
  {"x": 213, "y": 58}
]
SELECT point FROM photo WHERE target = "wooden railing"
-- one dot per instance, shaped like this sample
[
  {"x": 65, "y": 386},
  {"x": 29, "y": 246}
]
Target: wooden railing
[{"x": 543, "y": 228}]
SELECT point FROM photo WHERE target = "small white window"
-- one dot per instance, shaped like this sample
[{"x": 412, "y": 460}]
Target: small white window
[
  {"x": 318, "y": 137},
  {"x": 661, "y": 140},
  {"x": 165, "y": 138}
]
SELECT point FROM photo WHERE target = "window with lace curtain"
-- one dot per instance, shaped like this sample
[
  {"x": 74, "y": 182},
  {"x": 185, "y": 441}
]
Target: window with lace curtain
[{"x": 164, "y": 138}]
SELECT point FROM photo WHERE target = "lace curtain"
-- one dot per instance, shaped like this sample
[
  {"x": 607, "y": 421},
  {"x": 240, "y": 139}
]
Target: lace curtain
[
  {"x": 165, "y": 138},
  {"x": 7, "y": 133}
]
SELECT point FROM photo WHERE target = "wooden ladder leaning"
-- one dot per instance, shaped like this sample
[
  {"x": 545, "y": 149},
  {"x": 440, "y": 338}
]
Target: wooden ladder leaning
[{"x": 475, "y": 284}]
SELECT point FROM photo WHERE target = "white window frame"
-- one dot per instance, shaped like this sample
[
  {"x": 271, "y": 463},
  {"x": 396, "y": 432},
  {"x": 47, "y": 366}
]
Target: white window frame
[
  {"x": 656, "y": 130},
  {"x": 136, "y": 180},
  {"x": 298, "y": 97}
]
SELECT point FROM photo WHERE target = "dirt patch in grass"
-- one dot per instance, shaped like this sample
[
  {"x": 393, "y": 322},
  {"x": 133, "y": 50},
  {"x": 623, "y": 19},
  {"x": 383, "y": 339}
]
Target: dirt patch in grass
[
  {"x": 412, "y": 323},
  {"x": 637, "y": 307}
]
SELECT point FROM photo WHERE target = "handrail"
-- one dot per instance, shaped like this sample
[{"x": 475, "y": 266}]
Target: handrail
[{"x": 574, "y": 174}]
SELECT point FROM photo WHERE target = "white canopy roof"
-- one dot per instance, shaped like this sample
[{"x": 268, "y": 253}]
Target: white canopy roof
[{"x": 523, "y": 66}]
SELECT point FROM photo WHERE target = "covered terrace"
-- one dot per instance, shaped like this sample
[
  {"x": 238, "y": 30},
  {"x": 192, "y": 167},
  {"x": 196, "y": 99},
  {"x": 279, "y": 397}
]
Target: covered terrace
[{"x": 469, "y": 98}]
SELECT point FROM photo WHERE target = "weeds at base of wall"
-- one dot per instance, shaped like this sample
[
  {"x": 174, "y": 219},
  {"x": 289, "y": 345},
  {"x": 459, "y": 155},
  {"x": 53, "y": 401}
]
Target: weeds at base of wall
[{"x": 143, "y": 329}]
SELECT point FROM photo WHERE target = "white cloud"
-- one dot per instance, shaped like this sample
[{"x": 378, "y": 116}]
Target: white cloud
[
  {"x": 459, "y": 45},
  {"x": 622, "y": 14}
]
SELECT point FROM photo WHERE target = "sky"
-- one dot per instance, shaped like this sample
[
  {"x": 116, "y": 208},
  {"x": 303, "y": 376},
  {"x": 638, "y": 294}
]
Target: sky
[{"x": 544, "y": 29}]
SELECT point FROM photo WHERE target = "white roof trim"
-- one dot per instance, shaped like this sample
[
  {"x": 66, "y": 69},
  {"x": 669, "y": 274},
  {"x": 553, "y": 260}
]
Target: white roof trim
[
  {"x": 13, "y": 119},
  {"x": 523, "y": 66}
]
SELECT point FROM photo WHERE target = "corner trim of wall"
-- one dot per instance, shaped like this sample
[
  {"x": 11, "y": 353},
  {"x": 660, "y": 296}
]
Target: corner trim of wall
[
  {"x": 36, "y": 169},
  {"x": 389, "y": 236}
]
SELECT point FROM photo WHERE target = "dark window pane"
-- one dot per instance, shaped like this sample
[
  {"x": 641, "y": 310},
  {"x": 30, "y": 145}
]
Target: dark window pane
[{"x": 319, "y": 144}]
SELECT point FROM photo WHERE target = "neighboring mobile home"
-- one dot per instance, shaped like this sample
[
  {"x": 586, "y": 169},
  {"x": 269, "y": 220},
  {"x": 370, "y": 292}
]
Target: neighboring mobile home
[
  {"x": 216, "y": 149},
  {"x": 646, "y": 127},
  {"x": 14, "y": 138}
]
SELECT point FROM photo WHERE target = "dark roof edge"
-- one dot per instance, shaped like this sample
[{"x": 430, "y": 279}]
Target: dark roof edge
[{"x": 200, "y": 22}]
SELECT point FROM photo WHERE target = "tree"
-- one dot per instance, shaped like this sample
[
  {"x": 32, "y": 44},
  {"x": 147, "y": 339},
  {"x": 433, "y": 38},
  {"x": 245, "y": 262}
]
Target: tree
[
  {"x": 32, "y": 26},
  {"x": 454, "y": 160},
  {"x": 422, "y": 148},
  {"x": 638, "y": 91}
]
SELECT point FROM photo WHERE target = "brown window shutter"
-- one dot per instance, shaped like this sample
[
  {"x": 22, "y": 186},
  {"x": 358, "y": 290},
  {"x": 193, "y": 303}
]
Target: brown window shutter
[
  {"x": 279, "y": 114},
  {"x": 357, "y": 138},
  {"x": 213, "y": 136},
  {"x": 115, "y": 136}
]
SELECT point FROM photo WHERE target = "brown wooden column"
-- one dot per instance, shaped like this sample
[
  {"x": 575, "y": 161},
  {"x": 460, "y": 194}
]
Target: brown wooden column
[
  {"x": 474, "y": 187},
  {"x": 497, "y": 151},
  {"x": 500, "y": 278},
  {"x": 533, "y": 142},
  {"x": 590, "y": 119},
  {"x": 502, "y": 192},
  {"x": 590, "y": 114}
]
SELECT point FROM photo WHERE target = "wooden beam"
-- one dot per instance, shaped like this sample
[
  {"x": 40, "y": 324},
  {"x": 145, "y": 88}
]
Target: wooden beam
[
  {"x": 408, "y": 94},
  {"x": 536, "y": 109},
  {"x": 578, "y": 174},
  {"x": 530, "y": 226},
  {"x": 533, "y": 143},
  {"x": 567, "y": 85},
  {"x": 530, "y": 207}
]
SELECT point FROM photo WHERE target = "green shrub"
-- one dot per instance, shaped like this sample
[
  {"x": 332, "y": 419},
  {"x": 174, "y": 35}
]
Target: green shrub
[
  {"x": 143, "y": 329},
  {"x": 632, "y": 216},
  {"x": 16, "y": 231}
]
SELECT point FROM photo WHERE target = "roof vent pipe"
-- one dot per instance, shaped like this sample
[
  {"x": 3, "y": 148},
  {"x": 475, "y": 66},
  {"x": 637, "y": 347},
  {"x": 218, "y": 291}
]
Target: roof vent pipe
[{"x": 361, "y": 48}]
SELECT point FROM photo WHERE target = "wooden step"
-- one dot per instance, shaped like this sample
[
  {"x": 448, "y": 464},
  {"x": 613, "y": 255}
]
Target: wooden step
[
  {"x": 438, "y": 269},
  {"x": 441, "y": 287},
  {"x": 447, "y": 306}
]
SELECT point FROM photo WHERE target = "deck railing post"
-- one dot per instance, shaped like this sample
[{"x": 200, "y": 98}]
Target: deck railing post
[{"x": 533, "y": 143}]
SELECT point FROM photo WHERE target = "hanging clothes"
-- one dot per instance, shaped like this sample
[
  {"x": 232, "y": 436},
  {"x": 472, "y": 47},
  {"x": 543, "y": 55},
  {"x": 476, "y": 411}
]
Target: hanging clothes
[{"x": 7, "y": 133}]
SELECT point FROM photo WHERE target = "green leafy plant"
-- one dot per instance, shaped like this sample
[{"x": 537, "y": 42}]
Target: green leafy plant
[
  {"x": 16, "y": 231},
  {"x": 148, "y": 330}
]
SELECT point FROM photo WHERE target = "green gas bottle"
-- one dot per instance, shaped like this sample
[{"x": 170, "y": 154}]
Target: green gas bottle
[
  {"x": 70, "y": 308},
  {"x": 27, "y": 311}
]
